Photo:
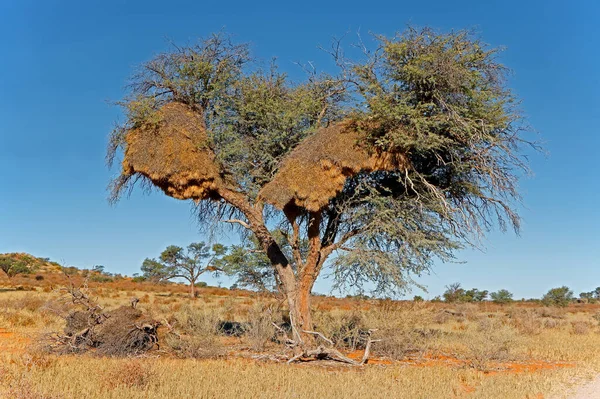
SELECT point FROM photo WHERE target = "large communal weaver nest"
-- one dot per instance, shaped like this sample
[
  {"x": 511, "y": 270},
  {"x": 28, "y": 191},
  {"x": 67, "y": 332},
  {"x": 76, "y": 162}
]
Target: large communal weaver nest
[
  {"x": 173, "y": 154},
  {"x": 316, "y": 171}
]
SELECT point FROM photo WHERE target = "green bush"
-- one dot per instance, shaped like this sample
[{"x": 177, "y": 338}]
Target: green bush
[{"x": 561, "y": 296}]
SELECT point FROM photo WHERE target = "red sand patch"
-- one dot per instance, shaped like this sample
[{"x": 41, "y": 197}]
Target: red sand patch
[
  {"x": 11, "y": 342},
  {"x": 506, "y": 367},
  {"x": 358, "y": 355}
]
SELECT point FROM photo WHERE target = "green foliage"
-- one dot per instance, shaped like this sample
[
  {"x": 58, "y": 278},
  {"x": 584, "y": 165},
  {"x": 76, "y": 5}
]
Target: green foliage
[
  {"x": 561, "y": 296},
  {"x": 418, "y": 298},
  {"x": 592, "y": 296},
  {"x": 100, "y": 278},
  {"x": 21, "y": 263},
  {"x": 12, "y": 266},
  {"x": 156, "y": 272},
  {"x": 251, "y": 266},
  {"x": 188, "y": 263},
  {"x": 98, "y": 269},
  {"x": 455, "y": 294},
  {"x": 502, "y": 296}
]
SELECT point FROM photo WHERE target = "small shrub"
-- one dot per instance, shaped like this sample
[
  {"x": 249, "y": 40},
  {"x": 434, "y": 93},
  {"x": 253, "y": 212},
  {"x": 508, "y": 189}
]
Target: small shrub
[
  {"x": 131, "y": 374},
  {"x": 492, "y": 343},
  {"x": 260, "y": 328},
  {"x": 581, "y": 327},
  {"x": 561, "y": 296},
  {"x": 39, "y": 277},
  {"x": 596, "y": 317},
  {"x": 526, "y": 321},
  {"x": 441, "y": 317},
  {"x": 346, "y": 330}
]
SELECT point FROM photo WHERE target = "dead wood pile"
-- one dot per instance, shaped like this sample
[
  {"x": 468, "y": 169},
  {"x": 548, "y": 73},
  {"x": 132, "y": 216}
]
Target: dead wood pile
[{"x": 119, "y": 332}]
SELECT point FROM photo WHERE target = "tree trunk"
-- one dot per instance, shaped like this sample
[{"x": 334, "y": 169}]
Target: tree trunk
[{"x": 192, "y": 290}]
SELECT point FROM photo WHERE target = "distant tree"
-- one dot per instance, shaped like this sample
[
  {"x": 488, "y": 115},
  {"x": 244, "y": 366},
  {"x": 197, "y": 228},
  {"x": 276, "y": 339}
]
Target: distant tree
[
  {"x": 502, "y": 296},
  {"x": 98, "y": 269},
  {"x": 13, "y": 266},
  {"x": 251, "y": 266},
  {"x": 590, "y": 297},
  {"x": 418, "y": 298},
  {"x": 406, "y": 156},
  {"x": 157, "y": 272},
  {"x": 475, "y": 295},
  {"x": 189, "y": 263},
  {"x": 454, "y": 293},
  {"x": 561, "y": 296}
]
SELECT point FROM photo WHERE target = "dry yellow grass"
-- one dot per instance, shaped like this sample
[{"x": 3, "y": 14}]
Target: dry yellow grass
[{"x": 478, "y": 352}]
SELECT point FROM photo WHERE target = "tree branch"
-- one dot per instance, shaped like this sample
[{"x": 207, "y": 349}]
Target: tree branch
[{"x": 238, "y": 221}]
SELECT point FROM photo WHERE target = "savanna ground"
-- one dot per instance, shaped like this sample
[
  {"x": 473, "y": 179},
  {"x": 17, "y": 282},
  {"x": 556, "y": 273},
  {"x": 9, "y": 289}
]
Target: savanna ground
[{"x": 226, "y": 347}]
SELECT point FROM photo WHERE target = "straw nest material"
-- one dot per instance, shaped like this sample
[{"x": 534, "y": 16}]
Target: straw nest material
[
  {"x": 315, "y": 171},
  {"x": 173, "y": 153}
]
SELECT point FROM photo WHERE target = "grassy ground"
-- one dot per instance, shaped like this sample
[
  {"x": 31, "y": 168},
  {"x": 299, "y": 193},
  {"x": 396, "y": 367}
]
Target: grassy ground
[{"x": 428, "y": 350}]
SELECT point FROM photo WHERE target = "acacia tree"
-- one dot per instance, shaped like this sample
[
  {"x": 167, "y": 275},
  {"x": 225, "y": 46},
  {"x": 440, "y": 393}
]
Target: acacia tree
[
  {"x": 12, "y": 266},
  {"x": 406, "y": 155},
  {"x": 156, "y": 272},
  {"x": 189, "y": 264}
]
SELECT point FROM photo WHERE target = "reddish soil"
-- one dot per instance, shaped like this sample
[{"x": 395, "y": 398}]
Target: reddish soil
[{"x": 11, "y": 342}]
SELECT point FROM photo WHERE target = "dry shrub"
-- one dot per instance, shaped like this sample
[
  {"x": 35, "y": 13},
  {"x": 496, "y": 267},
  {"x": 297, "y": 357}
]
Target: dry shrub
[
  {"x": 398, "y": 343},
  {"x": 492, "y": 343},
  {"x": 596, "y": 317},
  {"x": 553, "y": 313},
  {"x": 581, "y": 327},
  {"x": 17, "y": 378},
  {"x": 551, "y": 323},
  {"x": 197, "y": 335},
  {"x": 441, "y": 317},
  {"x": 405, "y": 330},
  {"x": 16, "y": 319},
  {"x": 469, "y": 311},
  {"x": 526, "y": 321},
  {"x": 131, "y": 374},
  {"x": 345, "y": 329},
  {"x": 31, "y": 303},
  {"x": 260, "y": 329}
]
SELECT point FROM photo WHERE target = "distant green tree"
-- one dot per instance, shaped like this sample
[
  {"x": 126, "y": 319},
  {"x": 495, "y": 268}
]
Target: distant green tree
[
  {"x": 98, "y": 269},
  {"x": 157, "y": 272},
  {"x": 12, "y": 266},
  {"x": 561, "y": 296},
  {"x": 502, "y": 296},
  {"x": 251, "y": 266},
  {"x": 189, "y": 263},
  {"x": 418, "y": 298},
  {"x": 454, "y": 293},
  {"x": 475, "y": 295}
]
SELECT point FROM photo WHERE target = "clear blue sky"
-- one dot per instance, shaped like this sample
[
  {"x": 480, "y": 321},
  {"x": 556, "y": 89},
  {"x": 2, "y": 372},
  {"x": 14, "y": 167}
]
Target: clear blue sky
[{"x": 64, "y": 61}]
